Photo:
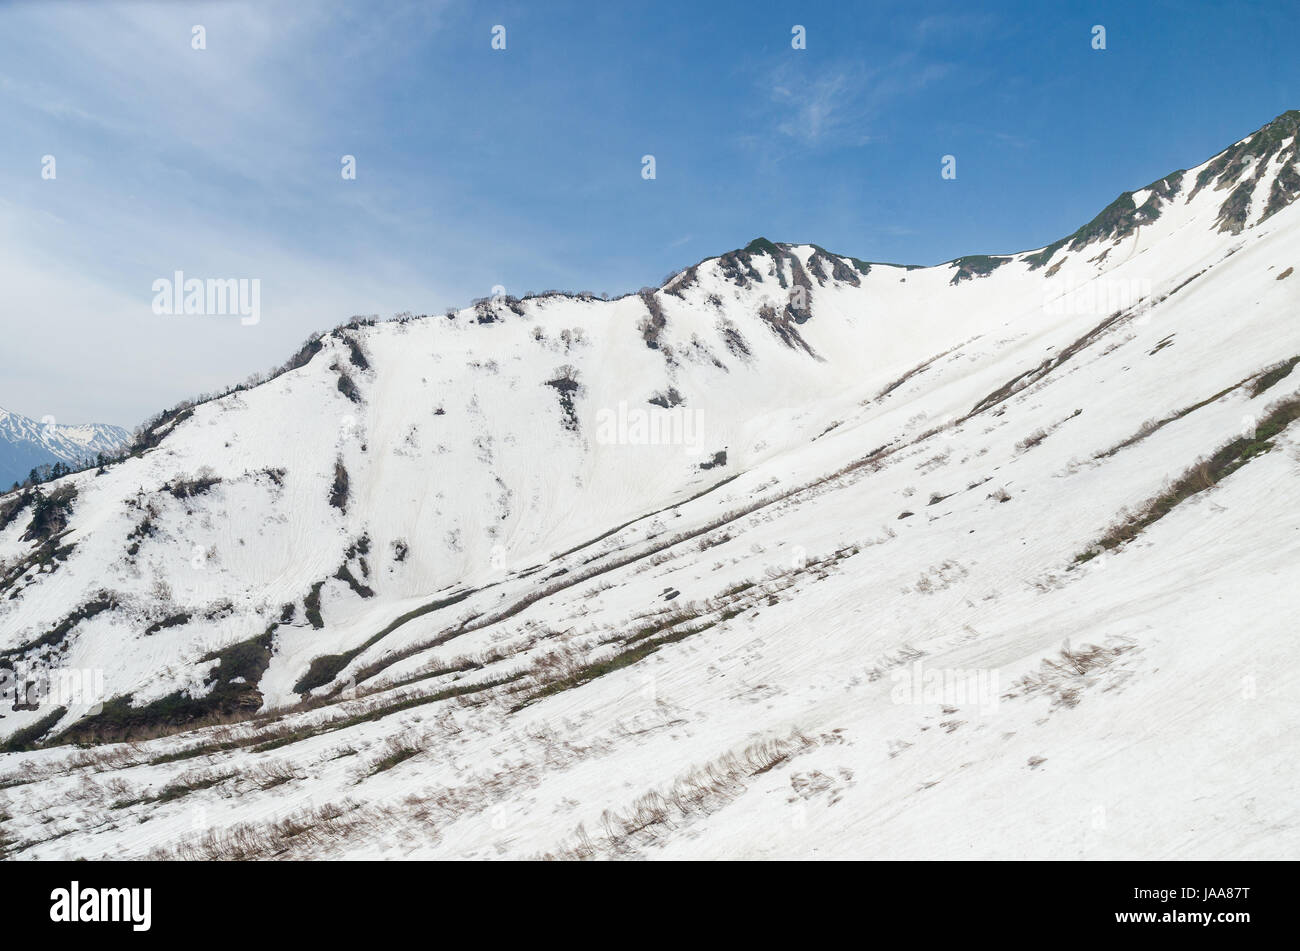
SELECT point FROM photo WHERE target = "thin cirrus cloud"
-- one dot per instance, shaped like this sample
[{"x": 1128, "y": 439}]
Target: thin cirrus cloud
[
  {"x": 836, "y": 106},
  {"x": 814, "y": 109}
]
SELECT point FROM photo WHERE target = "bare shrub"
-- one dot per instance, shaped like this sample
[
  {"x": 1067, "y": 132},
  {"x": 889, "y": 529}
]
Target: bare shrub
[{"x": 694, "y": 793}]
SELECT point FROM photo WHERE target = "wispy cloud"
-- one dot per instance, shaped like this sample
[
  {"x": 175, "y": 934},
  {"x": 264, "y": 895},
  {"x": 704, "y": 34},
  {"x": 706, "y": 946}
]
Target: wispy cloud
[
  {"x": 815, "y": 108},
  {"x": 836, "y": 105}
]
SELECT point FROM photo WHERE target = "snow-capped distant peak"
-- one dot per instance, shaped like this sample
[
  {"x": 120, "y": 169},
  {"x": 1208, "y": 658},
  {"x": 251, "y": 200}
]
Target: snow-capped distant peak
[{"x": 26, "y": 443}]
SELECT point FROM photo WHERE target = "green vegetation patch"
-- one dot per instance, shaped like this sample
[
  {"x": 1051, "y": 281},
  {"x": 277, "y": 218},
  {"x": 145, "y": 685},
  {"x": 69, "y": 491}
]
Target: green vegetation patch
[{"x": 234, "y": 689}]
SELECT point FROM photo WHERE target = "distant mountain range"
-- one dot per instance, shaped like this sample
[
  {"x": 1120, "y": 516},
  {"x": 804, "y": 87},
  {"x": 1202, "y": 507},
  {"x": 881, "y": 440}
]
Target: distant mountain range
[{"x": 27, "y": 443}]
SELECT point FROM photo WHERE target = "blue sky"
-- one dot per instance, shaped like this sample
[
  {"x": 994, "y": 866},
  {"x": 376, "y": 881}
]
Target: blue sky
[{"x": 522, "y": 168}]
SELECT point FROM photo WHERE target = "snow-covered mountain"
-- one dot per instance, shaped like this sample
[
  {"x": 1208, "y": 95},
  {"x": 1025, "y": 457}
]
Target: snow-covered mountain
[
  {"x": 797, "y": 555},
  {"x": 26, "y": 444}
]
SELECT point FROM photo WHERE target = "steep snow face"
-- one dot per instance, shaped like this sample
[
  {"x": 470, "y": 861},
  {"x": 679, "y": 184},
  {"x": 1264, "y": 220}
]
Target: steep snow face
[
  {"x": 26, "y": 444},
  {"x": 552, "y": 557}
]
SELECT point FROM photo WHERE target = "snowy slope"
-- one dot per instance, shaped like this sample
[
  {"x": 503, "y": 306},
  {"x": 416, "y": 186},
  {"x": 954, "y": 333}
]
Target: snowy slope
[{"x": 449, "y": 598}]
